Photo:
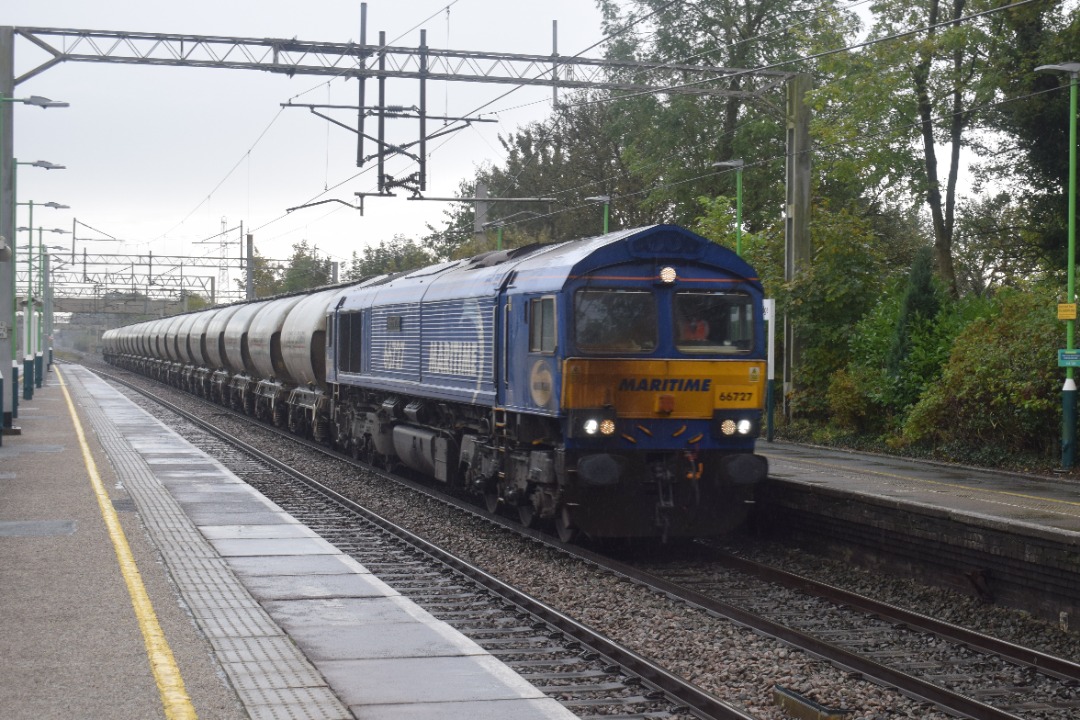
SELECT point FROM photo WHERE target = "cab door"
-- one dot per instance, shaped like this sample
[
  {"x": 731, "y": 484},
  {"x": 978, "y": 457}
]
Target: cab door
[{"x": 531, "y": 353}]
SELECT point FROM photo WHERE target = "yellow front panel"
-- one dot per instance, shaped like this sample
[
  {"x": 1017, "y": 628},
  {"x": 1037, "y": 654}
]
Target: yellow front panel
[{"x": 663, "y": 388}]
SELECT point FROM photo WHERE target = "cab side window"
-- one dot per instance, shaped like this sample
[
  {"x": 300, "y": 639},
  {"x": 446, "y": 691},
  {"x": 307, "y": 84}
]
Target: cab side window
[
  {"x": 349, "y": 348},
  {"x": 542, "y": 325}
]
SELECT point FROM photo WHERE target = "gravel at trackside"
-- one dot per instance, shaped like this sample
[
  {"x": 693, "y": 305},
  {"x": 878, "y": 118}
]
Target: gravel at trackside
[{"x": 735, "y": 664}]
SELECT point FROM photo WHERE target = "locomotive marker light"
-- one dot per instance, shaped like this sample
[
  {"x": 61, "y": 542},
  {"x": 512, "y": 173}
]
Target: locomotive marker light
[{"x": 1068, "y": 392}]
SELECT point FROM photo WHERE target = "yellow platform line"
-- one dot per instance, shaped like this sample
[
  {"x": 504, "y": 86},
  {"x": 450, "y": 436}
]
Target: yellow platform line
[{"x": 170, "y": 684}]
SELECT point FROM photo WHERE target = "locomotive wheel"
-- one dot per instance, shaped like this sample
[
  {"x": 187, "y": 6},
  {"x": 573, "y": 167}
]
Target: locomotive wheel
[
  {"x": 491, "y": 501},
  {"x": 563, "y": 527},
  {"x": 527, "y": 516}
]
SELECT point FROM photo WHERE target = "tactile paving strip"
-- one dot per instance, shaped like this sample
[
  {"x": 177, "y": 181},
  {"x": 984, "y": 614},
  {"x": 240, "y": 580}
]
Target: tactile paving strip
[{"x": 270, "y": 675}]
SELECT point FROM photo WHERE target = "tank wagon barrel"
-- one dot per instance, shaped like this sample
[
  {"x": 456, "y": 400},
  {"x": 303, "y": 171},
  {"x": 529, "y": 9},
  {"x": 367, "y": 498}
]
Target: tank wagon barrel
[{"x": 611, "y": 386}]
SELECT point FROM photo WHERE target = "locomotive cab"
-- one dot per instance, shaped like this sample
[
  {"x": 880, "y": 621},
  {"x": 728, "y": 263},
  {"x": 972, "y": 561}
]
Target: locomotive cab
[{"x": 649, "y": 366}]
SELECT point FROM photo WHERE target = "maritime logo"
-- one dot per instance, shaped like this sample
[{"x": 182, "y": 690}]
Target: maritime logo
[
  {"x": 541, "y": 384},
  {"x": 454, "y": 358},
  {"x": 665, "y": 385},
  {"x": 394, "y": 355}
]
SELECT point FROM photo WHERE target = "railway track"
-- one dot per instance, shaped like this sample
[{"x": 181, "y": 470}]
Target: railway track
[
  {"x": 966, "y": 673},
  {"x": 588, "y": 673},
  {"x": 962, "y": 673}
]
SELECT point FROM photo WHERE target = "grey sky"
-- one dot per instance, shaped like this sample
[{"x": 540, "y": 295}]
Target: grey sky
[{"x": 149, "y": 150}]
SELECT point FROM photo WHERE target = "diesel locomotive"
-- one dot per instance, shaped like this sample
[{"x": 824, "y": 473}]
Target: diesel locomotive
[{"x": 611, "y": 386}]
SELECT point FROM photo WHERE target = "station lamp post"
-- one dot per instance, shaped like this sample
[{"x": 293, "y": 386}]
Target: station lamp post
[
  {"x": 47, "y": 293},
  {"x": 606, "y": 199},
  {"x": 1068, "y": 393},
  {"x": 33, "y": 361},
  {"x": 44, "y": 293},
  {"x": 738, "y": 165},
  {"x": 28, "y": 357},
  {"x": 7, "y": 225},
  {"x": 32, "y": 365}
]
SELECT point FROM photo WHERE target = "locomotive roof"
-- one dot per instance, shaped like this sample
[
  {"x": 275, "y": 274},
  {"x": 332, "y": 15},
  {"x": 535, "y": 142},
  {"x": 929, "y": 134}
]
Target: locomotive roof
[
  {"x": 656, "y": 243},
  {"x": 543, "y": 267}
]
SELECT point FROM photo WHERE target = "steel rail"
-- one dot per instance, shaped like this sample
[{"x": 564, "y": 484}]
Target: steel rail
[
  {"x": 677, "y": 690},
  {"x": 1045, "y": 663}
]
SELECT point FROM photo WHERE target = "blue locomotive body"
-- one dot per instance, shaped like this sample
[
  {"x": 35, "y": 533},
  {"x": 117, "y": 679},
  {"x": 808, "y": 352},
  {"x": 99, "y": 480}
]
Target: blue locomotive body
[
  {"x": 612, "y": 386},
  {"x": 517, "y": 374}
]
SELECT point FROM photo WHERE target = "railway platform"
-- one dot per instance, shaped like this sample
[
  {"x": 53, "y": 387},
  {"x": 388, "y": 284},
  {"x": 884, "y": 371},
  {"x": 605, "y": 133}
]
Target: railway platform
[
  {"x": 139, "y": 579},
  {"x": 1008, "y": 538}
]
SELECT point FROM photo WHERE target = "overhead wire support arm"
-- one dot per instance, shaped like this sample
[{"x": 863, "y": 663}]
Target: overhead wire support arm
[
  {"x": 295, "y": 57},
  {"x": 392, "y": 111},
  {"x": 484, "y": 199},
  {"x": 323, "y": 202}
]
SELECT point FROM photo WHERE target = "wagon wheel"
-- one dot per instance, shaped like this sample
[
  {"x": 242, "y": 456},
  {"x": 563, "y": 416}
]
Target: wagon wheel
[
  {"x": 564, "y": 527},
  {"x": 491, "y": 500},
  {"x": 527, "y": 514}
]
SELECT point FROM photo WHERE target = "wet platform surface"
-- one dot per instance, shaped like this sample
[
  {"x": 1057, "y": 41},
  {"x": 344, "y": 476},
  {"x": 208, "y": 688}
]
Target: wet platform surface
[
  {"x": 275, "y": 621},
  {"x": 1029, "y": 503}
]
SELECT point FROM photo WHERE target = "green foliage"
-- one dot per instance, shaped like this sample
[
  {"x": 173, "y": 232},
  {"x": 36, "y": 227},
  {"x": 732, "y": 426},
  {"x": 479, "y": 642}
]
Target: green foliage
[
  {"x": 1000, "y": 387},
  {"x": 1029, "y": 148},
  {"x": 854, "y": 399},
  {"x": 267, "y": 276},
  {"x": 877, "y": 389},
  {"x": 400, "y": 254},
  {"x": 672, "y": 140},
  {"x": 305, "y": 269},
  {"x": 844, "y": 280},
  {"x": 196, "y": 301},
  {"x": 918, "y": 311}
]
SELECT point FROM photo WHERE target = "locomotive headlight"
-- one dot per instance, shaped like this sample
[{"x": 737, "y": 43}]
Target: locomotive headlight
[
  {"x": 735, "y": 424},
  {"x": 668, "y": 275},
  {"x": 593, "y": 423}
]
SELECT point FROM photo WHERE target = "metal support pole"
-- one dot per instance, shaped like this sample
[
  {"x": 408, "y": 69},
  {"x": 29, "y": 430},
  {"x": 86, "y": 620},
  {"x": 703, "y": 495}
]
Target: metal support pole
[
  {"x": 382, "y": 112},
  {"x": 1068, "y": 391},
  {"x": 738, "y": 211},
  {"x": 9, "y": 337},
  {"x": 250, "y": 280},
  {"x": 361, "y": 92},
  {"x": 28, "y": 378},
  {"x": 797, "y": 214},
  {"x": 423, "y": 109}
]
